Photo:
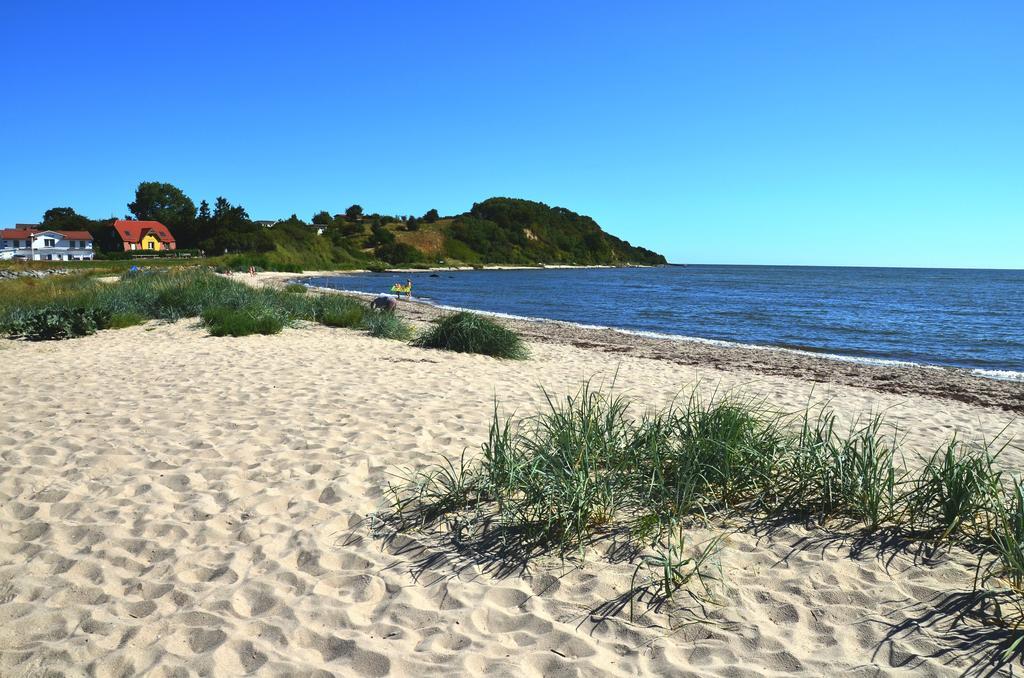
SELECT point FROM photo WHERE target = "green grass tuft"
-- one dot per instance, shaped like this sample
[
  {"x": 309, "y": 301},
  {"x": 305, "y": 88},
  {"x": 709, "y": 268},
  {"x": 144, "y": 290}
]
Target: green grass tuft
[
  {"x": 231, "y": 322},
  {"x": 386, "y": 326},
  {"x": 125, "y": 319},
  {"x": 591, "y": 465},
  {"x": 467, "y": 332}
]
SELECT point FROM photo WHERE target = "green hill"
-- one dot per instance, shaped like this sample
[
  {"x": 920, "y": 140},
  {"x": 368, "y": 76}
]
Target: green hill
[{"x": 513, "y": 231}]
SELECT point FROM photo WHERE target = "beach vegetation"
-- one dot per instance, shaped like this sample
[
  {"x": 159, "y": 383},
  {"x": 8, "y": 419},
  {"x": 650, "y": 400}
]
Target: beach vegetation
[
  {"x": 386, "y": 326},
  {"x": 125, "y": 319},
  {"x": 466, "y": 332},
  {"x": 956, "y": 492},
  {"x": 59, "y": 322},
  {"x": 73, "y": 306},
  {"x": 595, "y": 465},
  {"x": 241, "y": 322}
]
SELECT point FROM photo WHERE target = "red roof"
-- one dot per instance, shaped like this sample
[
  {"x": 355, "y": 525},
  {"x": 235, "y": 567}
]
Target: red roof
[
  {"x": 26, "y": 233},
  {"x": 133, "y": 231}
]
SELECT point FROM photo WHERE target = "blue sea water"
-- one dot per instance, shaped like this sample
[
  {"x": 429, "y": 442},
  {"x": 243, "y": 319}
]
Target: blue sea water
[{"x": 972, "y": 319}]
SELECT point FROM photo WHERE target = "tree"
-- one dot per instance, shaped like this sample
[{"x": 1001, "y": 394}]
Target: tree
[
  {"x": 399, "y": 253},
  {"x": 354, "y": 213},
  {"x": 413, "y": 224},
  {"x": 322, "y": 219},
  {"x": 431, "y": 216},
  {"x": 168, "y": 204},
  {"x": 380, "y": 236},
  {"x": 65, "y": 218},
  {"x": 231, "y": 230}
]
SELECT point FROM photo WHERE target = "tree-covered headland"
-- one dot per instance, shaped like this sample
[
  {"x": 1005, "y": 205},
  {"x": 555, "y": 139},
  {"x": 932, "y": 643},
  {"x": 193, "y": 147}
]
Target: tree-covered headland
[{"x": 495, "y": 231}]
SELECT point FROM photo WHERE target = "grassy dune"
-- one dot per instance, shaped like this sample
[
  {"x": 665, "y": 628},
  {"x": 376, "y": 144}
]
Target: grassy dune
[{"x": 585, "y": 470}]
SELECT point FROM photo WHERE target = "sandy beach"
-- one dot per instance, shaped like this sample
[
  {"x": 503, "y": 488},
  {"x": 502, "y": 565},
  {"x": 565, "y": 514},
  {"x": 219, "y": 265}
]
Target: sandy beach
[{"x": 179, "y": 504}]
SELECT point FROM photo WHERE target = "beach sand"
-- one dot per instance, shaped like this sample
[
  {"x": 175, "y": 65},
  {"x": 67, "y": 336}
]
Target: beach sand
[{"x": 178, "y": 504}]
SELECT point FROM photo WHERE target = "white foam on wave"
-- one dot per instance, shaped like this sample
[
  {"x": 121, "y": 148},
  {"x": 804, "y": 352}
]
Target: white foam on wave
[{"x": 1001, "y": 375}]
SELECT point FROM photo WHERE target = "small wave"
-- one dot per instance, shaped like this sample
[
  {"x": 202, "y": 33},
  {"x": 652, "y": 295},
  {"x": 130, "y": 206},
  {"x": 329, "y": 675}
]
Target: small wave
[{"x": 1001, "y": 375}]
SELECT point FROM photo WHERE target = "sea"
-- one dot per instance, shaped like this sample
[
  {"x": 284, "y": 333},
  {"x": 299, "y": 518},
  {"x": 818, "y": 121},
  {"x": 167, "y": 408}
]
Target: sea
[{"x": 963, "y": 318}]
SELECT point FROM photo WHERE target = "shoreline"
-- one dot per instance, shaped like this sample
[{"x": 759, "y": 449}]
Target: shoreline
[{"x": 950, "y": 383}]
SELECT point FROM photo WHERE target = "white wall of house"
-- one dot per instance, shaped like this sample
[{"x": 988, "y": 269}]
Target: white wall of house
[{"x": 46, "y": 246}]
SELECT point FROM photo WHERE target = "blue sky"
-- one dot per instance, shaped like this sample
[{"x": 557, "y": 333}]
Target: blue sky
[{"x": 868, "y": 133}]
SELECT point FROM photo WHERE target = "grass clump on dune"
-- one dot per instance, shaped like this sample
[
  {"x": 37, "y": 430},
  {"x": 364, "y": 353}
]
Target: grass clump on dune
[
  {"x": 386, "y": 326},
  {"x": 125, "y": 319},
  {"x": 466, "y": 332},
  {"x": 590, "y": 466},
  {"x": 351, "y": 317},
  {"x": 241, "y": 322}
]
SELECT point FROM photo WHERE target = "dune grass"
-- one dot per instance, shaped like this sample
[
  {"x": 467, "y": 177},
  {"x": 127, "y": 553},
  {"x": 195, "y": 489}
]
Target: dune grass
[
  {"x": 467, "y": 332},
  {"x": 125, "y": 319},
  {"x": 386, "y": 326},
  {"x": 241, "y": 322},
  {"x": 72, "y": 306},
  {"x": 585, "y": 468}
]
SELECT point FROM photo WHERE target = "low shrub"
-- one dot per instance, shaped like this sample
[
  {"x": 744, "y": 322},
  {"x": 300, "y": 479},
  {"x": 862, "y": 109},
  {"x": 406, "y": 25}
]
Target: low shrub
[
  {"x": 347, "y": 317},
  {"x": 60, "y": 322},
  {"x": 386, "y": 326},
  {"x": 242, "y": 322},
  {"x": 467, "y": 332}
]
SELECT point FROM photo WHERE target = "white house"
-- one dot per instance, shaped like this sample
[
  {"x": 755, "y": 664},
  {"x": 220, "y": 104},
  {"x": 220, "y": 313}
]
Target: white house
[{"x": 33, "y": 244}]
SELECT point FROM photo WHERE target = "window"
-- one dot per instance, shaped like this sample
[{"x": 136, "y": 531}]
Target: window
[
  {"x": 49, "y": 242},
  {"x": 150, "y": 244}
]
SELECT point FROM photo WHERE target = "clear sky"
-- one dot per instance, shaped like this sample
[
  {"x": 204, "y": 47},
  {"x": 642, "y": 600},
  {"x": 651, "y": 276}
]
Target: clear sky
[{"x": 859, "y": 133}]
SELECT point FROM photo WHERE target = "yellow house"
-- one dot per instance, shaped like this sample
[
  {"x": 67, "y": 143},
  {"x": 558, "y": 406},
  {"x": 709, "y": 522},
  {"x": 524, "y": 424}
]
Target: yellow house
[
  {"x": 151, "y": 242},
  {"x": 147, "y": 236}
]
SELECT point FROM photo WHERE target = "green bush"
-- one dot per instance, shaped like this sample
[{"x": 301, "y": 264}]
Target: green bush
[
  {"x": 223, "y": 322},
  {"x": 466, "y": 332},
  {"x": 59, "y": 322},
  {"x": 346, "y": 317},
  {"x": 386, "y": 326}
]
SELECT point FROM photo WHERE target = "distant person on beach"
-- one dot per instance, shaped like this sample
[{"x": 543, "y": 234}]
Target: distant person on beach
[{"x": 400, "y": 289}]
